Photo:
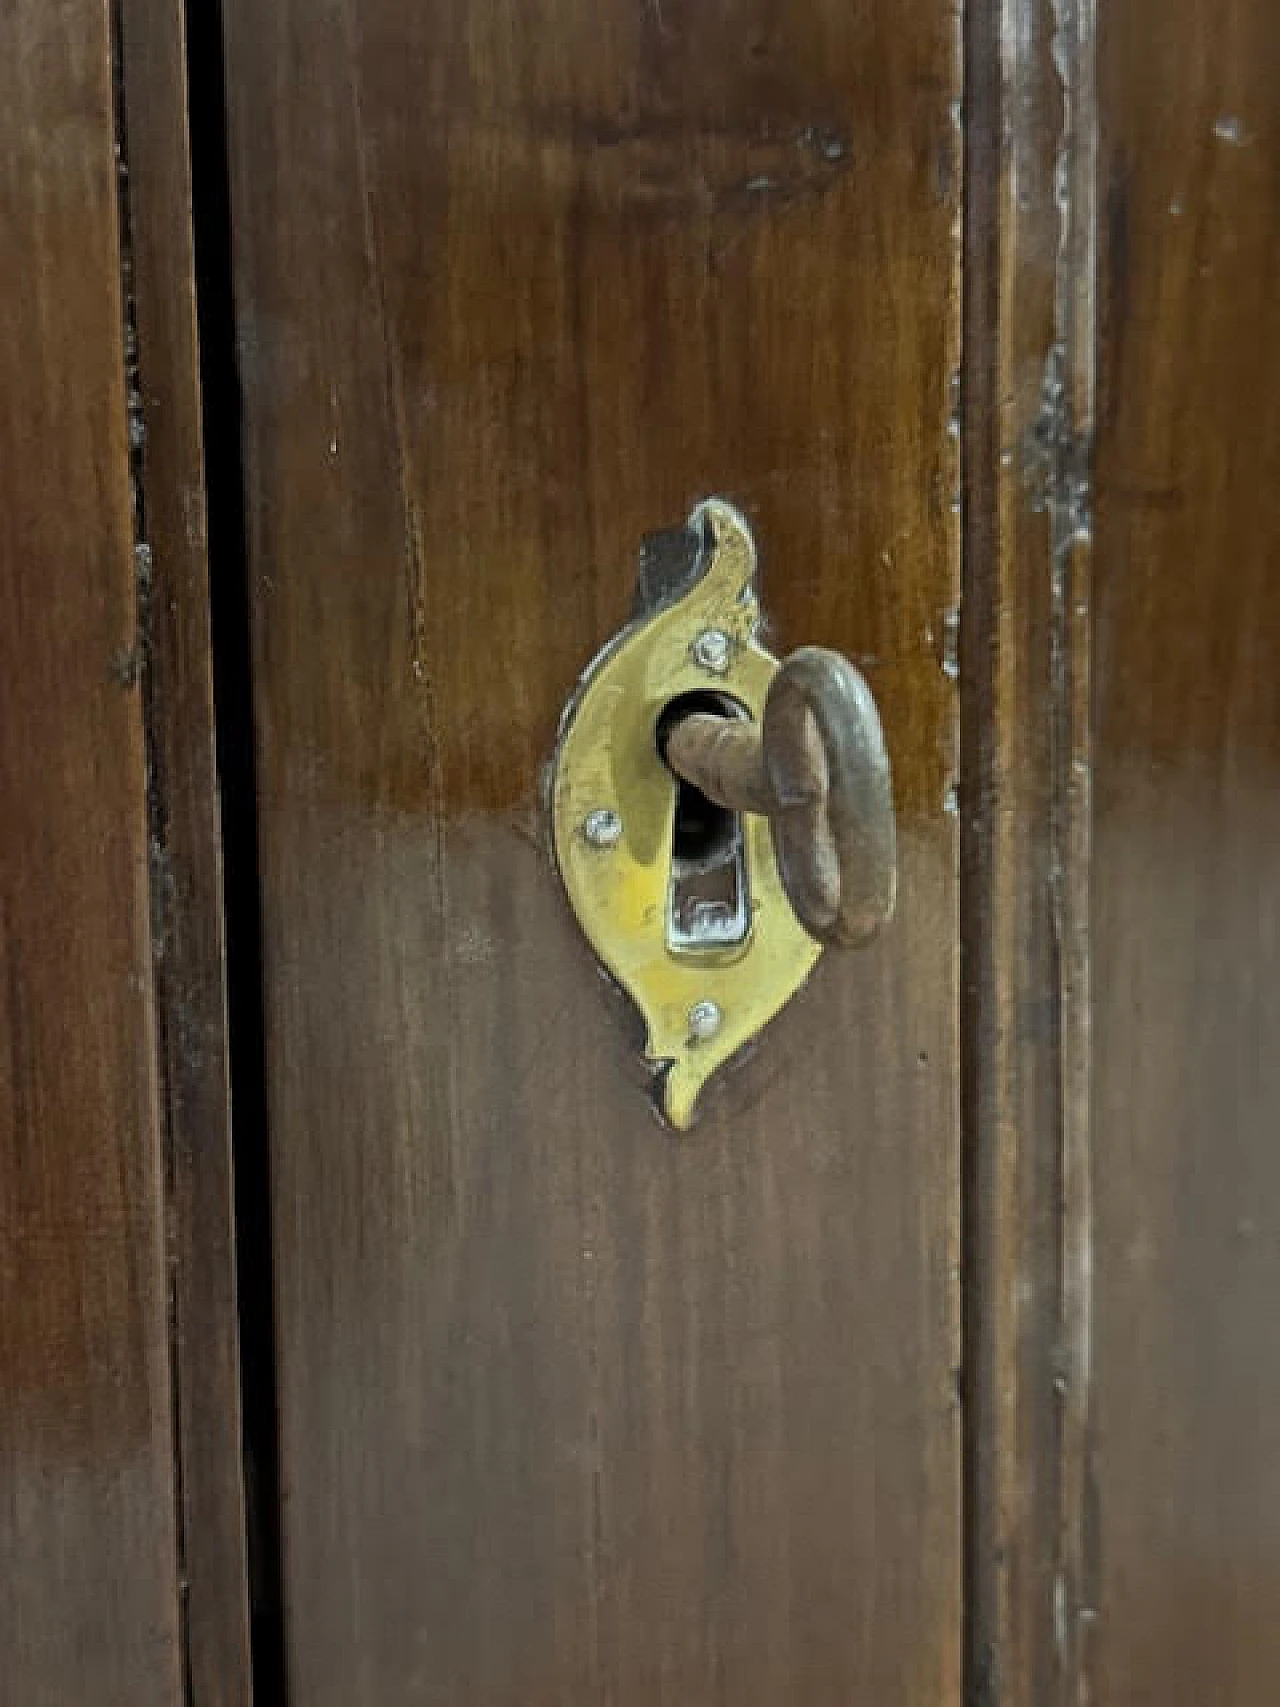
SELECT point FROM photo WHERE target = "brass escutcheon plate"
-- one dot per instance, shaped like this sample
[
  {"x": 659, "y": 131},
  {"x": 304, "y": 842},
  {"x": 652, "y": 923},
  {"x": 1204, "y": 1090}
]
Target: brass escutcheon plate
[{"x": 608, "y": 769}]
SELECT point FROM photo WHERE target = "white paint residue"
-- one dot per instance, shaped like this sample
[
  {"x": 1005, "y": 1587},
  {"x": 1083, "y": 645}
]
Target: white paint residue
[
  {"x": 472, "y": 947},
  {"x": 951, "y": 643}
]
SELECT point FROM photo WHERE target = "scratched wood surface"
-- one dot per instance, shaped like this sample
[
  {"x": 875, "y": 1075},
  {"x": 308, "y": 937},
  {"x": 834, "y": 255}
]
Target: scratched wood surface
[
  {"x": 88, "y": 1558},
  {"x": 1186, "y": 882},
  {"x": 1028, "y": 389},
  {"x": 571, "y": 1410},
  {"x": 187, "y": 880}
]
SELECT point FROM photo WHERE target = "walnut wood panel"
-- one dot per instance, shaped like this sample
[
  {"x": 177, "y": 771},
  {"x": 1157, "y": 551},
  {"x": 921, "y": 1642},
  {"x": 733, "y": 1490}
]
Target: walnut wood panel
[
  {"x": 88, "y": 1559},
  {"x": 1186, "y": 914},
  {"x": 572, "y": 1410},
  {"x": 187, "y": 883}
]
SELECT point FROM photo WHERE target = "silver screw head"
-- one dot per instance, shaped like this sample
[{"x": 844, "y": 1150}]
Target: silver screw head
[
  {"x": 602, "y": 827},
  {"x": 713, "y": 649},
  {"x": 704, "y": 1020}
]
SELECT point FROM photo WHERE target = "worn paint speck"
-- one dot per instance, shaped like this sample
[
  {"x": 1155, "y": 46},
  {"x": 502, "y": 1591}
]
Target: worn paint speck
[
  {"x": 828, "y": 145},
  {"x": 125, "y": 667},
  {"x": 950, "y": 650}
]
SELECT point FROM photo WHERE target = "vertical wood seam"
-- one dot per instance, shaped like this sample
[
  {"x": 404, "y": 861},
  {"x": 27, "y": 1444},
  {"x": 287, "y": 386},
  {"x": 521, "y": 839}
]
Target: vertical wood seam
[
  {"x": 174, "y": 661},
  {"x": 1030, "y": 214},
  {"x": 152, "y": 808},
  {"x": 1070, "y": 522},
  {"x": 981, "y": 111}
]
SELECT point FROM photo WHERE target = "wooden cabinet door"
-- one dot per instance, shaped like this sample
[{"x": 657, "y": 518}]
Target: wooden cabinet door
[
  {"x": 570, "y": 1408},
  {"x": 547, "y": 1404}
]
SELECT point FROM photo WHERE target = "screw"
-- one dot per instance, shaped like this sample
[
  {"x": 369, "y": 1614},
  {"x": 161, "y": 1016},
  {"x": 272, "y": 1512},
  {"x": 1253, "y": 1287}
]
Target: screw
[
  {"x": 712, "y": 649},
  {"x": 602, "y": 827},
  {"x": 704, "y": 1020}
]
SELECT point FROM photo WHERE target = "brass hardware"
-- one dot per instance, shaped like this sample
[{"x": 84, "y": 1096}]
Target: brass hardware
[{"x": 693, "y": 906}]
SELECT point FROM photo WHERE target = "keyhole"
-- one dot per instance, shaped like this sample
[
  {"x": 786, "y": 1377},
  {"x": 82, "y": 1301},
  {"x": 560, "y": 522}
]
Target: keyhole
[
  {"x": 708, "y": 904},
  {"x": 703, "y": 832}
]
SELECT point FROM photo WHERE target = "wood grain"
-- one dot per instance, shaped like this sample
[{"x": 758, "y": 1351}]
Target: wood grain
[
  {"x": 187, "y": 883},
  {"x": 1186, "y": 913},
  {"x": 88, "y": 1583},
  {"x": 570, "y": 1410}
]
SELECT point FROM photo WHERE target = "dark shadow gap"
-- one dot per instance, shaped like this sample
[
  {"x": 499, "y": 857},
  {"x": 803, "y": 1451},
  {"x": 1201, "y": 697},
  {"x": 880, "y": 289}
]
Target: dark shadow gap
[
  {"x": 230, "y": 618},
  {"x": 979, "y": 408}
]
